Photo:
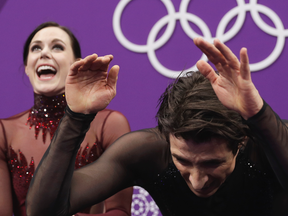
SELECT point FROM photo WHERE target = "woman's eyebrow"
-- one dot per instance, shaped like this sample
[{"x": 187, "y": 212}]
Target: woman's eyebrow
[{"x": 58, "y": 40}]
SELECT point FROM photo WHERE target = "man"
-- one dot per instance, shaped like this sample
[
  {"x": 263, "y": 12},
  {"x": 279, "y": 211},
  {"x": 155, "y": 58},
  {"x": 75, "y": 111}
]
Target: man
[{"x": 202, "y": 160}]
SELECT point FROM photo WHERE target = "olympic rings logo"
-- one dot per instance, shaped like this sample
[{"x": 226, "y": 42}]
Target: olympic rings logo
[{"x": 172, "y": 16}]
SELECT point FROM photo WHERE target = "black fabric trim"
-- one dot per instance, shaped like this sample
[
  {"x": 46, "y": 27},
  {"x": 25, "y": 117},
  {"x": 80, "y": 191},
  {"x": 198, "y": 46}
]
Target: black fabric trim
[{"x": 79, "y": 116}]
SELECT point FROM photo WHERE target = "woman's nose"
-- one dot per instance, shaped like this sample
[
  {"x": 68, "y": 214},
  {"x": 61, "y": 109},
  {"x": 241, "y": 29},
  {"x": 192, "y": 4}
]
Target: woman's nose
[{"x": 45, "y": 53}]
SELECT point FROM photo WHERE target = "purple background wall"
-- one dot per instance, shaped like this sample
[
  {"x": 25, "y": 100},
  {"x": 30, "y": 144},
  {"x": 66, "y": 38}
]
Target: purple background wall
[{"x": 140, "y": 85}]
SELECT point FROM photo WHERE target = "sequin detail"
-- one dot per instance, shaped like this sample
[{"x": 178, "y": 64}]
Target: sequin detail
[
  {"x": 87, "y": 157},
  {"x": 22, "y": 173},
  {"x": 46, "y": 114}
]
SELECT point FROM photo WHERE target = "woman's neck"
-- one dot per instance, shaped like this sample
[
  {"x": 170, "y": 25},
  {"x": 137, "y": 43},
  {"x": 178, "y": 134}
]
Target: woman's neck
[{"x": 46, "y": 114}]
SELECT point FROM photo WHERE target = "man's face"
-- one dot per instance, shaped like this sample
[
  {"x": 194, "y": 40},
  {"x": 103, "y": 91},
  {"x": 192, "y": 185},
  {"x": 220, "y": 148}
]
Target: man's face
[{"x": 204, "y": 166}]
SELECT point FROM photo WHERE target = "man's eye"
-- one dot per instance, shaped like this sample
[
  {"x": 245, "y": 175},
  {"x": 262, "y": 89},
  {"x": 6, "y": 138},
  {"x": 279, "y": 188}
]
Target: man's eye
[
  {"x": 35, "y": 48},
  {"x": 183, "y": 162},
  {"x": 58, "y": 47},
  {"x": 213, "y": 163}
]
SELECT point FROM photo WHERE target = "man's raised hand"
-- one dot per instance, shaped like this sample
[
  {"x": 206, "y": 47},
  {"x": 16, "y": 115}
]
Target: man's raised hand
[
  {"x": 89, "y": 87},
  {"x": 233, "y": 85}
]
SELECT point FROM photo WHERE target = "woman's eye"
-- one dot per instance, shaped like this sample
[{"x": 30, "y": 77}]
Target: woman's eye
[
  {"x": 58, "y": 47},
  {"x": 35, "y": 48}
]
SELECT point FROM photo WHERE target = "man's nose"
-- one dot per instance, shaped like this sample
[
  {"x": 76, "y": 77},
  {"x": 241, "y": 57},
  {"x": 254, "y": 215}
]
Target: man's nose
[{"x": 198, "y": 178}]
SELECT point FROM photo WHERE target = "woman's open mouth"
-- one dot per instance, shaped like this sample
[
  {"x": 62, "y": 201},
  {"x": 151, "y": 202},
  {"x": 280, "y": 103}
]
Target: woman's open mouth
[{"x": 46, "y": 72}]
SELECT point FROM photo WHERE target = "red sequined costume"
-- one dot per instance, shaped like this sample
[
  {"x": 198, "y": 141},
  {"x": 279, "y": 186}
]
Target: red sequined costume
[{"x": 25, "y": 137}]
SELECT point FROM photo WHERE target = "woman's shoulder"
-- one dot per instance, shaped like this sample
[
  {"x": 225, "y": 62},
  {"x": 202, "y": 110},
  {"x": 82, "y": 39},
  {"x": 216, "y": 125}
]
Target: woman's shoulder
[
  {"x": 109, "y": 115},
  {"x": 10, "y": 125},
  {"x": 109, "y": 112},
  {"x": 109, "y": 122}
]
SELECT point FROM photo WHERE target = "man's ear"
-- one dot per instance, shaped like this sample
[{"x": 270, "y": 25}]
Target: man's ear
[
  {"x": 243, "y": 143},
  {"x": 237, "y": 152}
]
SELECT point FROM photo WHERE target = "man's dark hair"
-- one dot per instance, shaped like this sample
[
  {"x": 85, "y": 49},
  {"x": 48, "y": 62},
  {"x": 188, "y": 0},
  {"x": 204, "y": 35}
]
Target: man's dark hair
[
  {"x": 74, "y": 42},
  {"x": 189, "y": 108}
]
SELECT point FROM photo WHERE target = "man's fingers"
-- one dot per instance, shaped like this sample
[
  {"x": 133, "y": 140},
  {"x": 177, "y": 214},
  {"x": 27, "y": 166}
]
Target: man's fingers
[
  {"x": 113, "y": 77},
  {"x": 229, "y": 56},
  {"x": 244, "y": 64},
  {"x": 212, "y": 52},
  {"x": 91, "y": 62},
  {"x": 207, "y": 71},
  {"x": 101, "y": 63},
  {"x": 75, "y": 66},
  {"x": 88, "y": 61},
  {"x": 225, "y": 51}
]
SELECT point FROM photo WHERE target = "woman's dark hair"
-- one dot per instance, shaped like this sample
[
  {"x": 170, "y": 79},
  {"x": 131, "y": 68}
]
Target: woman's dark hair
[
  {"x": 189, "y": 108},
  {"x": 74, "y": 42}
]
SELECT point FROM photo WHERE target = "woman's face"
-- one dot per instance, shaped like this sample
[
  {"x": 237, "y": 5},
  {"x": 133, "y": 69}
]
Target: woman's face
[{"x": 49, "y": 58}]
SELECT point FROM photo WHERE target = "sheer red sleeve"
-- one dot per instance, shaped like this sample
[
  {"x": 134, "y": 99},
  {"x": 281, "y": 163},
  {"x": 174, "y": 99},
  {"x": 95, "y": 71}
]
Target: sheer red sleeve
[{"x": 5, "y": 181}]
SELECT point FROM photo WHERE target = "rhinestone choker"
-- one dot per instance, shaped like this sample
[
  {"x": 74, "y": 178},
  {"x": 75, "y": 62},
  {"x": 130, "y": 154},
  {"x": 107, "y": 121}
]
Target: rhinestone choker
[{"x": 46, "y": 114}]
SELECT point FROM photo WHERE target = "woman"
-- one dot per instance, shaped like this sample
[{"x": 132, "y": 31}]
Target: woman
[{"x": 48, "y": 53}]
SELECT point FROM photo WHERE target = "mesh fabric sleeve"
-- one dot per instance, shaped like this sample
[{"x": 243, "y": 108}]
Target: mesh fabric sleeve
[
  {"x": 273, "y": 136},
  {"x": 56, "y": 189},
  {"x": 114, "y": 125}
]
